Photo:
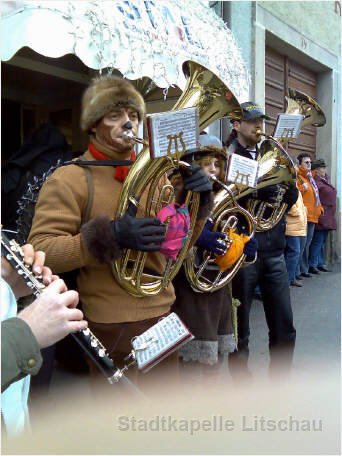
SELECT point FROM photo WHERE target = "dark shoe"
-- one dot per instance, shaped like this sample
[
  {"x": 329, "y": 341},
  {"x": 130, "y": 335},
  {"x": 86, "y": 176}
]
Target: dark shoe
[
  {"x": 299, "y": 277},
  {"x": 313, "y": 270},
  {"x": 306, "y": 274},
  {"x": 323, "y": 269},
  {"x": 296, "y": 283}
]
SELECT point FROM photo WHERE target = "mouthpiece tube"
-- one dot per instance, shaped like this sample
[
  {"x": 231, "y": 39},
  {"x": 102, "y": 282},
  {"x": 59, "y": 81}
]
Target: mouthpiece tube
[{"x": 128, "y": 136}]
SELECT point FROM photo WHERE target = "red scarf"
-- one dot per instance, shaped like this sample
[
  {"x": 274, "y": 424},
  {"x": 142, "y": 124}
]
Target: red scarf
[{"x": 121, "y": 172}]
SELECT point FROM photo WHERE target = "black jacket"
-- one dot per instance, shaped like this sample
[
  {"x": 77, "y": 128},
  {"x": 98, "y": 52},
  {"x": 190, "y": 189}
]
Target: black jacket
[
  {"x": 271, "y": 242},
  {"x": 46, "y": 146}
]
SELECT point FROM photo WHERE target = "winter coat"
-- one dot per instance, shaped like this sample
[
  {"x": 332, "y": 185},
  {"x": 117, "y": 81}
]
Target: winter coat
[
  {"x": 271, "y": 242},
  {"x": 308, "y": 196},
  {"x": 20, "y": 353},
  {"x": 296, "y": 219},
  {"x": 46, "y": 146},
  {"x": 56, "y": 230},
  {"x": 327, "y": 195}
]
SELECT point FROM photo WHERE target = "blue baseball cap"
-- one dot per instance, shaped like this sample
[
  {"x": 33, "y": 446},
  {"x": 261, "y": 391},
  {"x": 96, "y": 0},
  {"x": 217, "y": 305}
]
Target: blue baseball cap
[{"x": 252, "y": 111}]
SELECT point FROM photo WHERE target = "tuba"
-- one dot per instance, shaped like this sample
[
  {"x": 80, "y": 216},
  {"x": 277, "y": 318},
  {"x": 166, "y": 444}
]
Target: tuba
[
  {"x": 214, "y": 100},
  {"x": 275, "y": 168},
  {"x": 275, "y": 164}
]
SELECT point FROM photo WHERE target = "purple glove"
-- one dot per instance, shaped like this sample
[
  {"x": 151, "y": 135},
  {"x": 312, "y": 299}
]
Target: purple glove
[
  {"x": 213, "y": 241},
  {"x": 251, "y": 248}
]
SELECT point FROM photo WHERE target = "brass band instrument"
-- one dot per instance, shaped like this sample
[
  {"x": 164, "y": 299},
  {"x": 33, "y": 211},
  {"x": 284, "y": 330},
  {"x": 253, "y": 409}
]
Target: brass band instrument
[
  {"x": 300, "y": 103},
  {"x": 274, "y": 157},
  {"x": 214, "y": 100},
  {"x": 275, "y": 168},
  {"x": 225, "y": 213}
]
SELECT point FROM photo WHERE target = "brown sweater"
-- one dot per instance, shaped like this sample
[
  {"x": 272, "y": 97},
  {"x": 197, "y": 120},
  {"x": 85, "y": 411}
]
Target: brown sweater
[{"x": 56, "y": 230}]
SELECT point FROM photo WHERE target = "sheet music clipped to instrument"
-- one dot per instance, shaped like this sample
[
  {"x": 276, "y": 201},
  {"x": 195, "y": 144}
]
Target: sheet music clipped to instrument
[
  {"x": 288, "y": 125},
  {"x": 172, "y": 131},
  {"x": 159, "y": 341}
]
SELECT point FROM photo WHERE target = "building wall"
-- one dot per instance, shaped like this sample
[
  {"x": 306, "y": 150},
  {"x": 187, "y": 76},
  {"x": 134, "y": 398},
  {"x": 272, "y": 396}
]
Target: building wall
[
  {"x": 308, "y": 32},
  {"x": 316, "y": 20}
]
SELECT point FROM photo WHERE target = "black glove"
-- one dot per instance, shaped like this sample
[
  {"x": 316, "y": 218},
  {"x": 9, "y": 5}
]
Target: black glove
[
  {"x": 290, "y": 196},
  {"x": 145, "y": 234},
  {"x": 197, "y": 181},
  {"x": 268, "y": 194},
  {"x": 251, "y": 248},
  {"x": 213, "y": 241}
]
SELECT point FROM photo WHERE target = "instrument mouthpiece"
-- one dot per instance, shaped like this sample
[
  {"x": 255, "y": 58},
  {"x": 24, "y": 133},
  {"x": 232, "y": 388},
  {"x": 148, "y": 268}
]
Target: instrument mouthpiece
[{"x": 128, "y": 136}]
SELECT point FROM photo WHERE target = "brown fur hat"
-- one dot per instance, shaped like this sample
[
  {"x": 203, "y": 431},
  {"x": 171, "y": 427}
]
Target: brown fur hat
[{"x": 106, "y": 93}]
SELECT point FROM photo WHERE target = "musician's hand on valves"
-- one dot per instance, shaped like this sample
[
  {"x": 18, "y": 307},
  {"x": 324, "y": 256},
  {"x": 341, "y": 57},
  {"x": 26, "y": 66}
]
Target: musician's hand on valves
[
  {"x": 53, "y": 315},
  {"x": 35, "y": 260},
  {"x": 212, "y": 241},
  {"x": 251, "y": 248},
  {"x": 145, "y": 234},
  {"x": 197, "y": 181}
]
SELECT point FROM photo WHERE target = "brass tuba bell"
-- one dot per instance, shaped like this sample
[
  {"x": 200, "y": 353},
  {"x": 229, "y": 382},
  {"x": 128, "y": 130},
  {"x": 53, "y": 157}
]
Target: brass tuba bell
[
  {"x": 274, "y": 158},
  {"x": 214, "y": 100},
  {"x": 300, "y": 103},
  {"x": 275, "y": 168}
]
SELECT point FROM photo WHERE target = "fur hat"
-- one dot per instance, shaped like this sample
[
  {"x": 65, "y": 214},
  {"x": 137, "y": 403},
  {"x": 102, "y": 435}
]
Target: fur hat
[
  {"x": 318, "y": 163},
  {"x": 106, "y": 93},
  {"x": 210, "y": 145}
]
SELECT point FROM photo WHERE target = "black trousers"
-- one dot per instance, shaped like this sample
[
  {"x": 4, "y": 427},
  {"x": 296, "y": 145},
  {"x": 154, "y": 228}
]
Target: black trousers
[{"x": 271, "y": 275}]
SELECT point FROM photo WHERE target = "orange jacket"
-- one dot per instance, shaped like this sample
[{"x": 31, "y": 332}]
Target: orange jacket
[{"x": 308, "y": 195}]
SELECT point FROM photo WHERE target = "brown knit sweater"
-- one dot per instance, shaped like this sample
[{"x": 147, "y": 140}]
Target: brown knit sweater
[{"x": 56, "y": 230}]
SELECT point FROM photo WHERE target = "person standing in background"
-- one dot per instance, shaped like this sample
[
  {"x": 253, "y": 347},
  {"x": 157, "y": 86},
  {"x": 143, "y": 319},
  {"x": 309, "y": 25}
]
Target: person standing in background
[
  {"x": 326, "y": 221},
  {"x": 296, "y": 221},
  {"x": 308, "y": 188},
  {"x": 269, "y": 270}
]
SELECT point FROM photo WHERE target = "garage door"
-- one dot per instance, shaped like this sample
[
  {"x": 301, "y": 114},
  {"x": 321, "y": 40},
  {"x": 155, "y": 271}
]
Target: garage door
[{"x": 282, "y": 73}]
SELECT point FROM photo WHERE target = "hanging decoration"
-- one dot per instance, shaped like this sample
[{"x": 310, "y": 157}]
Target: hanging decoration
[{"x": 140, "y": 38}]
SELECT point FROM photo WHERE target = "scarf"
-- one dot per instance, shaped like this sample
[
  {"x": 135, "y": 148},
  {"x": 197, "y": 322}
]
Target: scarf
[
  {"x": 178, "y": 224},
  {"x": 314, "y": 187},
  {"x": 120, "y": 172}
]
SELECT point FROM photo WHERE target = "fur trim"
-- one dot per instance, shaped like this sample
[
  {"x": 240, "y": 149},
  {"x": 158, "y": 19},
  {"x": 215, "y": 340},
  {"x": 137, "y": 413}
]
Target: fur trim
[
  {"x": 202, "y": 351},
  {"x": 99, "y": 239},
  {"x": 106, "y": 93},
  {"x": 203, "y": 151},
  {"x": 226, "y": 344}
]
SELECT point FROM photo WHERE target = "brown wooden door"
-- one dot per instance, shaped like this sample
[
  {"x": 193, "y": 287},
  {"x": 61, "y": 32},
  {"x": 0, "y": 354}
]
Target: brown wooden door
[{"x": 282, "y": 73}]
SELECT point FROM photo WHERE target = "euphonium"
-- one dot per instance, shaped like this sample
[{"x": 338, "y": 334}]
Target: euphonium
[
  {"x": 300, "y": 103},
  {"x": 214, "y": 100},
  {"x": 276, "y": 166},
  {"x": 226, "y": 213}
]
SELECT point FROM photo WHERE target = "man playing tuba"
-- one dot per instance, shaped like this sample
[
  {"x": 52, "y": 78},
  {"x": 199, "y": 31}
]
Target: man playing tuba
[
  {"x": 111, "y": 107},
  {"x": 269, "y": 270}
]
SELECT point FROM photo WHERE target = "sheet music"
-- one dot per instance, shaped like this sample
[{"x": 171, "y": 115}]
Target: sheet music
[
  {"x": 160, "y": 340},
  {"x": 288, "y": 125},
  {"x": 242, "y": 170},
  {"x": 182, "y": 124}
]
